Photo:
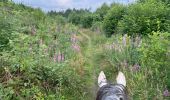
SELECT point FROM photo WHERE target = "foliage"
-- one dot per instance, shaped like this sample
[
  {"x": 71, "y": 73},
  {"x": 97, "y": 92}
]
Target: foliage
[
  {"x": 144, "y": 61},
  {"x": 32, "y": 68},
  {"x": 46, "y": 57},
  {"x": 87, "y": 20},
  {"x": 75, "y": 18},
  {"x": 139, "y": 18},
  {"x": 102, "y": 11},
  {"x": 155, "y": 56},
  {"x": 112, "y": 18},
  {"x": 97, "y": 27},
  {"x": 144, "y": 18},
  {"x": 165, "y": 1}
]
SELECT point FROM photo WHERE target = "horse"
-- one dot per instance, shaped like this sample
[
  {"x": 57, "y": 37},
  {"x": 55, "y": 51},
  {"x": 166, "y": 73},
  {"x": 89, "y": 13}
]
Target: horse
[{"x": 108, "y": 91}]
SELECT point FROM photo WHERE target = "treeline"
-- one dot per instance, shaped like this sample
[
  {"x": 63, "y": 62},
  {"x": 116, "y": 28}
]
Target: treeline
[
  {"x": 139, "y": 18},
  {"x": 81, "y": 17}
]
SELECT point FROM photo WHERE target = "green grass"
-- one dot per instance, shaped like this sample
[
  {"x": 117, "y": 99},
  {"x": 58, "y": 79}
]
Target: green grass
[{"x": 43, "y": 65}]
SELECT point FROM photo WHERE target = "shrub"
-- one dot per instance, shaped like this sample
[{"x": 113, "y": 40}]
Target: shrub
[
  {"x": 6, "y": 31},
  {"x": 87, "y": 20},
  {"x": 112, "y": 18},
  {"x": 155, "y": 57},
  {"x": 145, "y": 62},
  {"x": 144, "y": 18},
  {"x": 74, "y": 18},
  {"x": 102, "y": 11}
]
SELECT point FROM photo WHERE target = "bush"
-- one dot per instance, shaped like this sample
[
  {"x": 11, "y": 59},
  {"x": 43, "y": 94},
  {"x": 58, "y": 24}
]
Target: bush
[
  {"x": 112, "y": 18},
  {"x": 97, "y": 27},
  {"x": 144, "y": 18},
  {"x": 87, "y": 20},
  {"x": 155, "y": 57},
  {"x": 7, "y": 28},
  {"x": 74, "y": 18},
  {"x": 144, "y": 61},
  {"x": 102, "y": 11}
]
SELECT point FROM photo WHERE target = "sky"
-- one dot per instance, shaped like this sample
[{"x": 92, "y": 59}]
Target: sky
[{"x": 59, "y": 5}]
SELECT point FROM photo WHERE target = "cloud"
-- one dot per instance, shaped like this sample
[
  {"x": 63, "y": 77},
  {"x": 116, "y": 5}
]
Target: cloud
[
  {"x": 59, "y": 5},
  {"x": 64, "y": 2}
]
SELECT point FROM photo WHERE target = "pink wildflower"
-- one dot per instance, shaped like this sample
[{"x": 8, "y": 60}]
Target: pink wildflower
[
  {"x": 76, "y": 47},
  {"x": 166, "y": 93},
  {"x": 62, "y": 57},
  {"x": 55, "y": 58},
  {"x": 59, "y": 58}
]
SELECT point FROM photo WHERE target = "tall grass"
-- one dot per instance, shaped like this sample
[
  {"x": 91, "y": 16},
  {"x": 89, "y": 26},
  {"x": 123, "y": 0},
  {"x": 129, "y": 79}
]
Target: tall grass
[{"x": 144, "y": 62}]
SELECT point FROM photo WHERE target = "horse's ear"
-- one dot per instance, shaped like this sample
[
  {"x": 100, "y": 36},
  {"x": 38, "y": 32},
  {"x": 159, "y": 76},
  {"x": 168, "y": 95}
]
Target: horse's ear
[
  {"x": 121, "y": 79},
  {"x": 102, "y": 79}
]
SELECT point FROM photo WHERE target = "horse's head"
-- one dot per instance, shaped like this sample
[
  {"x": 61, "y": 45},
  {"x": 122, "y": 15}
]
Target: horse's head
[{"x": 109, "y": 91}]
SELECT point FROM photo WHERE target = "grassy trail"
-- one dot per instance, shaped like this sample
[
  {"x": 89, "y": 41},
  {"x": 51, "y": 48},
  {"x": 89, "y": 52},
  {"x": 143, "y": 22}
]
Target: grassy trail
[
  {"x": 89, "y": 57},
  {"x": 93, "y": 54},
  {"x": 94, "y": 60}
]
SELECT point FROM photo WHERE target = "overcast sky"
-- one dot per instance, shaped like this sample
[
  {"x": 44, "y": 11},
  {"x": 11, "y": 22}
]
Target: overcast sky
[{"x": 59, "y": 5}]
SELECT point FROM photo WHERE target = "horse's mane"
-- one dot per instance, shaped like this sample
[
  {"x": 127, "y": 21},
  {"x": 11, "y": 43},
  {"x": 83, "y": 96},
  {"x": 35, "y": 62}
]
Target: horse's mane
[{"x": 112, "y": 92}]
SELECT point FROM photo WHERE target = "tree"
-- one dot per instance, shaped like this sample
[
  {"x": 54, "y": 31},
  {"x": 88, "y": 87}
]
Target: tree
[
  {"x": 112, "y": 18},
  {"x": 74, "y": 18},
  {"x": 67, "y": 12},
  {"x": 165, "y": 1},
  {"x": 102, "y": 11},
  {"x": 4, "y": 0},
  {"x": 144, "y": 18},
  {"x": 87, "y": 20}
]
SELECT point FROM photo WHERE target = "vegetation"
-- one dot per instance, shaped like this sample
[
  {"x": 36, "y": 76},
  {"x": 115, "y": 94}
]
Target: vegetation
[
  {"x": 112, "y": 19},
  {"x": 57, "y": 56}
]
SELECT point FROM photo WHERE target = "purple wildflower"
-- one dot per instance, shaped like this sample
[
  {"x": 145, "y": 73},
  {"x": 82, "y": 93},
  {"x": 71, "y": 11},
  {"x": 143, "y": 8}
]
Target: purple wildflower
[
  {"x": 73, "y": 39},
  {"x": 46, "y": 51},
  {"x": 124, "y": 64},
  {"x": 138, "y": 41},
  {"x": 110, "y": 46},
  {"x": 76, "y": 47},
  {"x": 113, "y": 45},
  {"x": 40, "y": 42},
  {"x": 55, "y": 58},
  {"x": 166, "y": 93},
  {"x": 135, "y": 68},
  {"x": 62, "y": 57},
  {"x": 59, "y": 57},
  {"x": 124, "y": 40},
  {"x": 33, "y": 31}
]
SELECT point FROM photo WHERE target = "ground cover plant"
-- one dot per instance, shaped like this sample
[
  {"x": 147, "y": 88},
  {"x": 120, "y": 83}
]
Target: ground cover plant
[{"x": 58, "y": 55}]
